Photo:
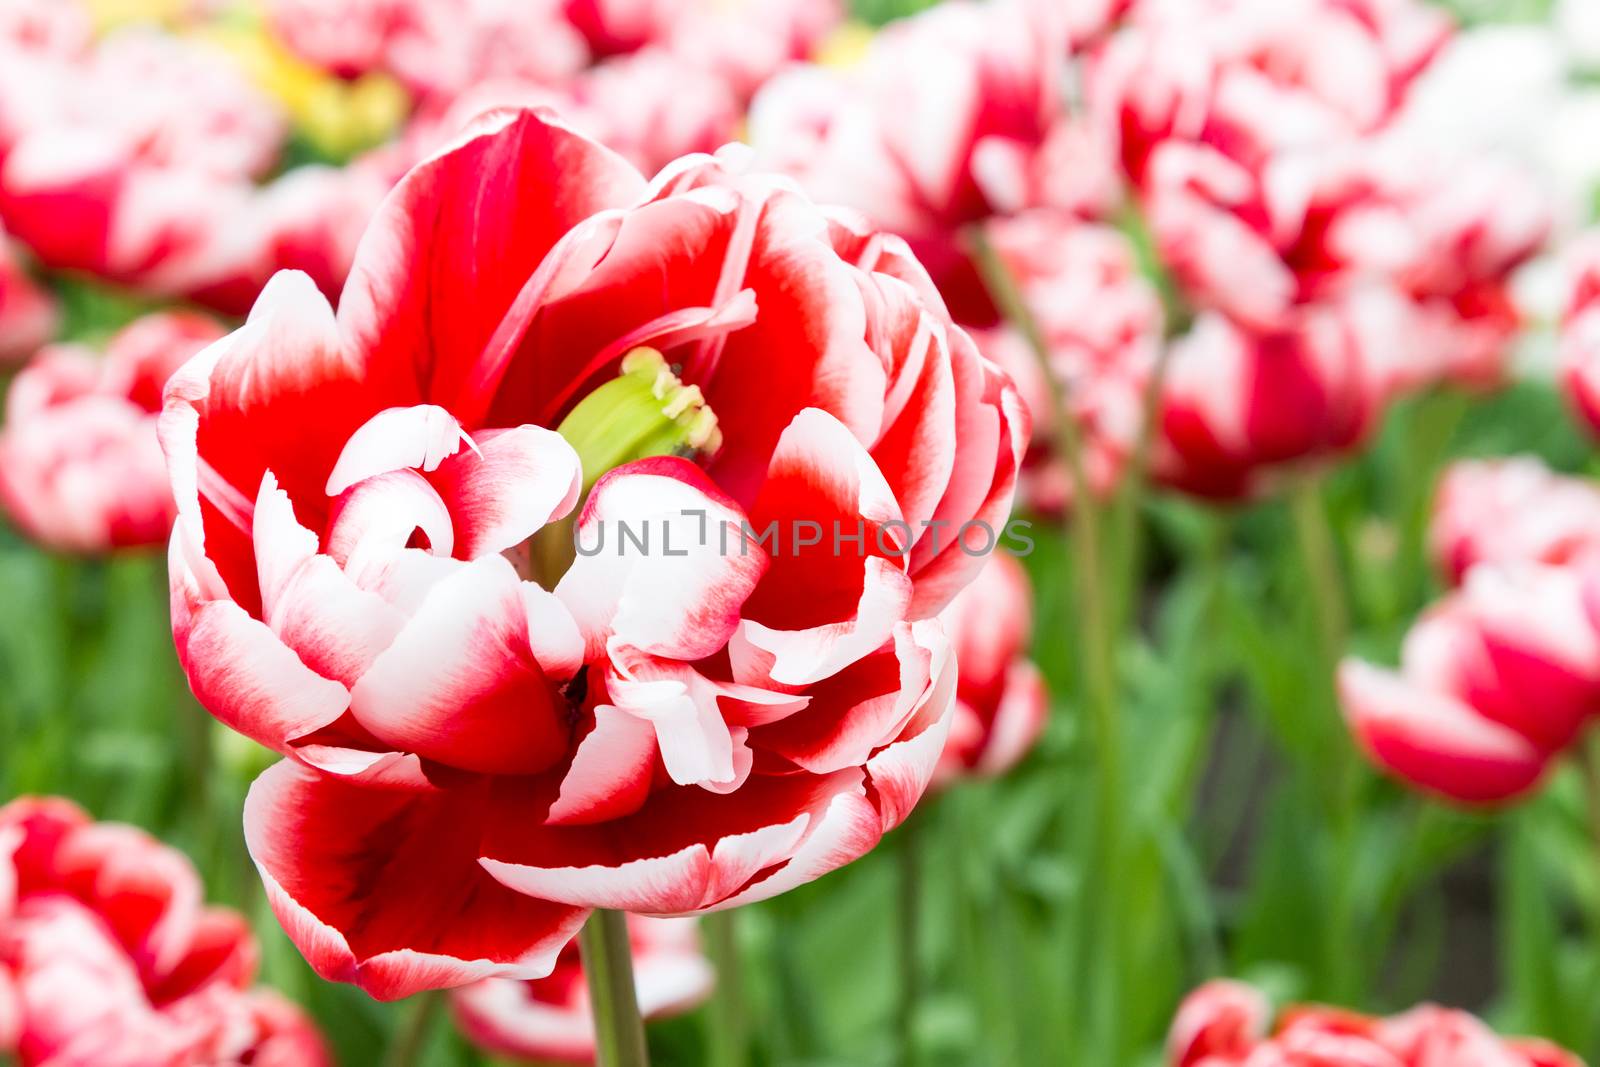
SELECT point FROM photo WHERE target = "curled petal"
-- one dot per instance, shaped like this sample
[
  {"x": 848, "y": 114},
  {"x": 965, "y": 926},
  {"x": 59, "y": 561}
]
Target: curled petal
[
  {"x": 416, "y": 914},
  {"x": 510, "y": 486},
  {"x": 380, "y": 515},
  {"x": 419, "y": 437},
  {"x": 826, "y": 601},
  {"x": 687, "y": 850},
  {"x": 679, "y": 594},
  {"x": 460, "y": 683},
  {"x": 249, "y": 679}
]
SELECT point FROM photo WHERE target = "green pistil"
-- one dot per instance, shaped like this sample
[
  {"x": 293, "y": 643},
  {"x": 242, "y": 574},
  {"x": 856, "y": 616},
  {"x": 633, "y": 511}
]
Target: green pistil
[{"x": 645, "y": 411}]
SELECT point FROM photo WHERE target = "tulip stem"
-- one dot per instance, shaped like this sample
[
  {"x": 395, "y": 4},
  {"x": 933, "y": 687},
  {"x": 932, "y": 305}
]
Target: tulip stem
[
  {"x": 608, "y": 964},
  {"x": 1321, "y": 560},
  {"x": 730, "y": 1038},
  {"x": 1101, "y": 981},
  {"x": 1589, "y": 761},
  {"x": 909, "y": 853},
  {"x": 415, "y": 1029}
]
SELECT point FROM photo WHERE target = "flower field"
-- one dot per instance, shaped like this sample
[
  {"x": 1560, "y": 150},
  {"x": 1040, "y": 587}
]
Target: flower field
[{"x": 986, "y": 533}]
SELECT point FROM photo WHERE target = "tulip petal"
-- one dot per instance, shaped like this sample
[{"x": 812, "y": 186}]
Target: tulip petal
[
  {"x": 336, "y": 628},
  {"x": 453, "y": 244},
  {"x": 460, "y": 684},
  {"x": 419, "y": 437},
  {"x": 416, "y": 913},
  {"x": 610, "y": 773},
  {"x": 514, "y": 483},
  {"x": 243, "y": 674},
  {"x": 829, "y": 602},
  {"x": 678, "y": 595},
  {"x": 1434, "y": 741},
  {"x": 686, "y": 850}
]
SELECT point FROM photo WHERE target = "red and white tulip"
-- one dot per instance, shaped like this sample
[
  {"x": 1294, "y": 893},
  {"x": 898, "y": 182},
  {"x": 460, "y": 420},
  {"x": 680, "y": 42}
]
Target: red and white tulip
[
  {"x": 1509, "y": 511},
  {"x": 360, "y": 580},
  {"x": 80, "y": 466},
  {"x": 1229, "y": 1024},
  {"x": 109, "y": 956},
  {"x": 1001, "y": 700},
  {"x": 1495, "y": 683}
]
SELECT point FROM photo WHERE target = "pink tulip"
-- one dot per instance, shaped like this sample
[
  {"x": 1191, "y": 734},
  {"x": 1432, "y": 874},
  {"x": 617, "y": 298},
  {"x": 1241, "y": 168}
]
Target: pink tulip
[
  {"x": 1580, "y": 334},
  {"x": 1001, "y": 700},
  {"x": 1371, "y": 218},
  {"x": 1253, "y": 78},
  {"x": 1225, "y": 1024},
  {"x": 27, "y": 311},
  {"x": 549, "y": 1018},
  {"x": 129, "y": 160},
  {"x": 1239, "y": 407},
  {"x": 954, "y": 116},
  {"x": 1103, "y": 322},
  {"x": 360, "y": 580},
  {"x": 1495, "y": 682},
  {"x": 1220, "y": 1023},
  {"x": 109, "y": 957},
  {"x": 437, "y": 48},
  {"x": 80, "y": 466},
  {"x": 1509, "y": 511},
  {"x": 742, "y": 43}
]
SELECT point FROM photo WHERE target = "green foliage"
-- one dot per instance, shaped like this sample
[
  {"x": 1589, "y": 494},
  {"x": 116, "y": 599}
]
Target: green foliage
[{"x": 1255, "y": 844}]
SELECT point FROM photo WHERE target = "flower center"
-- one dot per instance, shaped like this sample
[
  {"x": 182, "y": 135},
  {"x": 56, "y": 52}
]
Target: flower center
[{"x": 645, "y": 411}]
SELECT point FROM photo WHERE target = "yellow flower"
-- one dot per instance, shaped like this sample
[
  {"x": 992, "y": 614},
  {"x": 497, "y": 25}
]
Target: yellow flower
[
  {"x": 109, "y": 14},
  {"x": 335, "y": 117},
  {"x": 845, "y": 47}
]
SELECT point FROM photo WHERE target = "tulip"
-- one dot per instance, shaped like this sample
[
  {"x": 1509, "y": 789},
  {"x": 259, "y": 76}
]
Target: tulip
[
  {"x": 80, "y": 466},
  {"x": 1509, "y": 511},
  {"x": 995, "y": 139},
  {"x": 1219, "y": 1023},
  {"x": 1238, "y": 406},
  {"x": 742, "y": 43},
  {"x": 1580, "y": 330},
  {"x": 1001, "y": 701},
  {"x": 497, "y": 714},
  {"x": 27, "y": 311},
  {"x": 437, "y": 48},
  {"x": 136, "y": 156},
  {"x": 1102, "y": 321},
  {"x": 109, "y": 956},
  {"x": 1225, "y": 1024},
  {"x": 1495, "y": 683},
  {"x": 549, "y": 1018},
  {"x": 1253, "y": 78}
]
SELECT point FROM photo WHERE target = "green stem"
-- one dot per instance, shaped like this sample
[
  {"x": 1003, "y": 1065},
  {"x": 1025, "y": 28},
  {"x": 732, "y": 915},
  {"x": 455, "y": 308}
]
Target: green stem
[
  {"x": 1102, "y": 979},
  {"x": 608, "y": 964},
  {"x": 1589, "y": 763},
  {"x": 408, "y": 1045},
  {"x": 1343, "y": 945},
  {"x": 730, "y": 1036},
  {"x": 1321, "y": 559},
  {"x": 909, "y": 853},
  {"x": 1135, "y": 483}
]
